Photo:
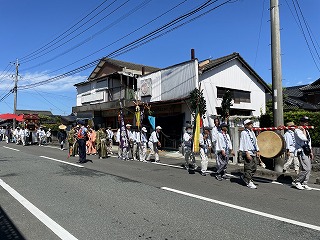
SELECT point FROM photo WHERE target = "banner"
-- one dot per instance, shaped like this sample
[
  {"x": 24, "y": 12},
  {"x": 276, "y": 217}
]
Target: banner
[
  {"x": 124, "y": 143},
  {"x": 196, "y": 134},
  {"x": 152, "y": 121},
  {"x": 138, "y": 121}
]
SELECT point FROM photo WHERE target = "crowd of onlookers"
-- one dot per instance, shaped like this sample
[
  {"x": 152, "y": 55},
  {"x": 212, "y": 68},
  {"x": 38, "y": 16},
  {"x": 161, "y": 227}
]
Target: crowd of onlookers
[{"x": 24, "y": 136}]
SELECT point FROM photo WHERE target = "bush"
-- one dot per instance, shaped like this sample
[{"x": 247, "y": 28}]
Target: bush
[{"x": 315, "y": 121}]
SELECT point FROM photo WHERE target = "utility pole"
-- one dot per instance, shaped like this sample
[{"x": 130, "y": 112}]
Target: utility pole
[
  {"x": 276, "y": 72},
  {"x": 15, "y": 92},
  {"x": 276, "y": 64}
]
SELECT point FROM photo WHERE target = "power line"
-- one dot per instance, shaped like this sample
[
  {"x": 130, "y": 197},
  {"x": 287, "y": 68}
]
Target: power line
[
  {"x": 52, "y": 41},
  {"x": 307, "y": 27},
  {"x": 135, "y": 43},
  {"x": 118, "y": 40},
  {"x": 36, "y": 57},
  {"x": 304, "y": 35},
  {"x": 255, "y": 58},
  {"x": 143, "y": 4}
]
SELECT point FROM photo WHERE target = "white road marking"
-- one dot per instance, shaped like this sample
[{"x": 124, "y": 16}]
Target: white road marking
[
  {"x": 168, "y": 165},
  {"x": 57, "y": 160},
  {"x": 51, "y": 147},
  {"x": 45, "y": 219},
  {"x": 12, "y": 149},
  {"x": 267, "y": 215}
]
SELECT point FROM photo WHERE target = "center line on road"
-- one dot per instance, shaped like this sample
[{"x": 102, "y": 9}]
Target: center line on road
[
  {"x": 12, "y": 148},
  {"x": 267, "y": 215},
  {"x": 57, "y": 160},
  {"x": 45, "y": 219}
]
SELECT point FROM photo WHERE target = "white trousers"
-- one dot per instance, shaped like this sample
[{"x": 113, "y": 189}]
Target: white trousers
[
  {"x": 153, "y": 151},
  {"x": 289, "y": 159},
  {"x": 142, "y": 151}
]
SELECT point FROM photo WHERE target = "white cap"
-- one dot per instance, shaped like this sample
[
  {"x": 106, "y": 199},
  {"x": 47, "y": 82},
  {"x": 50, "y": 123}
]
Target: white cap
[
  {"x": 247, "y": 121},
  {"x": 144, "y": 129},
  {"x": 128, "y": 125},
  {"x": 158, "y": 127}
]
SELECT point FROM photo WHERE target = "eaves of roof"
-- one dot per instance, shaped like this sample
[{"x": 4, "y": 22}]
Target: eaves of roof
[
  {"x": 310, "y": 87},
  {"x": 121, "y": 64},
  {"x": 289, "y": 101}
]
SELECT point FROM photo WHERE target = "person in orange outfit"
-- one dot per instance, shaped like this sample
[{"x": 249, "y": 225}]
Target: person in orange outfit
[{"x": 91, "y": 143}]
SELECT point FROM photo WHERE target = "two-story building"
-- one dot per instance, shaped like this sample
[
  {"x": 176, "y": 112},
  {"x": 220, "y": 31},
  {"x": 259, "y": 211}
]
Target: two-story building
[
  {"x": 167, "y": 92},
  {"x": 110, "y": 82}
]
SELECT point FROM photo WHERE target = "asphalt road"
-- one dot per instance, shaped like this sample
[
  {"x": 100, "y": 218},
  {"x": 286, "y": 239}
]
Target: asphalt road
[{"x": 42, "y": 196}]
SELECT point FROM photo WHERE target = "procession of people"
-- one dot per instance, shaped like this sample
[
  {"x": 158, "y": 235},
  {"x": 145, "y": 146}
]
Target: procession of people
[{"x": 133, "y": 144}]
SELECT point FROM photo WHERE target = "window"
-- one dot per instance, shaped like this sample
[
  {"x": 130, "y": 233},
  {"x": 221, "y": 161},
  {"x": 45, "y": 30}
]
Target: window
[{"x": 238, "y": 96}]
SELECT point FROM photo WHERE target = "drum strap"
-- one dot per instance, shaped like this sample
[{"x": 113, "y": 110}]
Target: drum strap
[
  {"x": 252, "y": 141},
  {"x": 226, "y": 142},
  {"x": 293, "y": 139}
]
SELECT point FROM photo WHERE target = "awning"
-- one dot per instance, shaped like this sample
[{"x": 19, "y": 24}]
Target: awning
[{"x": 8, "y": 116}]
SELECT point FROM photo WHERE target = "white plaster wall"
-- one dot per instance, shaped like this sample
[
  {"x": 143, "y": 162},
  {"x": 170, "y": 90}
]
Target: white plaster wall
[{"x": 231, "y": 75}]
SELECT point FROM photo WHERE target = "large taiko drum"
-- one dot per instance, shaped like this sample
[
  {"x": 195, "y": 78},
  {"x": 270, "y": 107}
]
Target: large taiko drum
[{"x": 271, "y": 144}]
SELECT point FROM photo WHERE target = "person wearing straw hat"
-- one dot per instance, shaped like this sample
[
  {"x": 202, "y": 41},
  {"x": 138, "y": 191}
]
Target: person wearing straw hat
[
  {"x": 62, "y": 136},
  {"x": 250, "y": 153},
  {"x": 291, "y": 151}
]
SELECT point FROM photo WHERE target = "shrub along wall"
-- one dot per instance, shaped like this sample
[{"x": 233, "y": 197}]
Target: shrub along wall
[
  {"x": 315, "y": 121},
  {"x": 294, "y": 116}
]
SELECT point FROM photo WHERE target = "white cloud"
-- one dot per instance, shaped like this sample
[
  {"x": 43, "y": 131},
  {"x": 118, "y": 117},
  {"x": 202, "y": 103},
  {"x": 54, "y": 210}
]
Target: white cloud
[{"x": 64, "y": 84}]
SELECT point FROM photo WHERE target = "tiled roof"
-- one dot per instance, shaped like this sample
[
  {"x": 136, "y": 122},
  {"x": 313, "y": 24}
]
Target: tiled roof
[
  {"x": 294, "y": 91},
  {"x": 313, "y": 86},
  {"x": 129, "y": 65},
  {"x": 47, "y": 113},
  {"x": 218, "y": 61},
  {"x": 299, "y": 104},
  {"x": 121, "y": 64}
]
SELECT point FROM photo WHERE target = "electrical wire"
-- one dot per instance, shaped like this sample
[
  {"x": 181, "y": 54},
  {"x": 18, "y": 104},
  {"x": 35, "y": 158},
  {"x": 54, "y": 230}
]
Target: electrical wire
[
  {"x": 123, "y": 17},
  {"x": 305, "y": 38},
  {"x": 63, "y": 43},
  {"x": 65, "y": 32},
  {"x": 308, "y": 30},
  {"x": 116, "y": 41},
  {"x": 259, "y": 36},
  {"x": 135, "y": 43}
]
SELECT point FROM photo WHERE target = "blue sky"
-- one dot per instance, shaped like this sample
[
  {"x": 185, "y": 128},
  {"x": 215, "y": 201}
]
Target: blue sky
[{"x": 31, "y": 32}]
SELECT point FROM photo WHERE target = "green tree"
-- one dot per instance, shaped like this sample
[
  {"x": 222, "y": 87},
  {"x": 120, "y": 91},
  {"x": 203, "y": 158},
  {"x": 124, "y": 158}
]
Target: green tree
[
  {"x": 198, "y": 102},
  {"x": 226, "y": 104}
]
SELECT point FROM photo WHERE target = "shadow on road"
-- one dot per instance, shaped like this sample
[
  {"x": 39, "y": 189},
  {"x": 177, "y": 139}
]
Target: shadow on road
[{"x": 7, "y": 229}]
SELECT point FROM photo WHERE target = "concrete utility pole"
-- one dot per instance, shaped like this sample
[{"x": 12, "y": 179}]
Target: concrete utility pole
[
  {"x": 276, "y": 73},
  {"x": 276, "y": 64},
  {"x": 15, "y": 92}
]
